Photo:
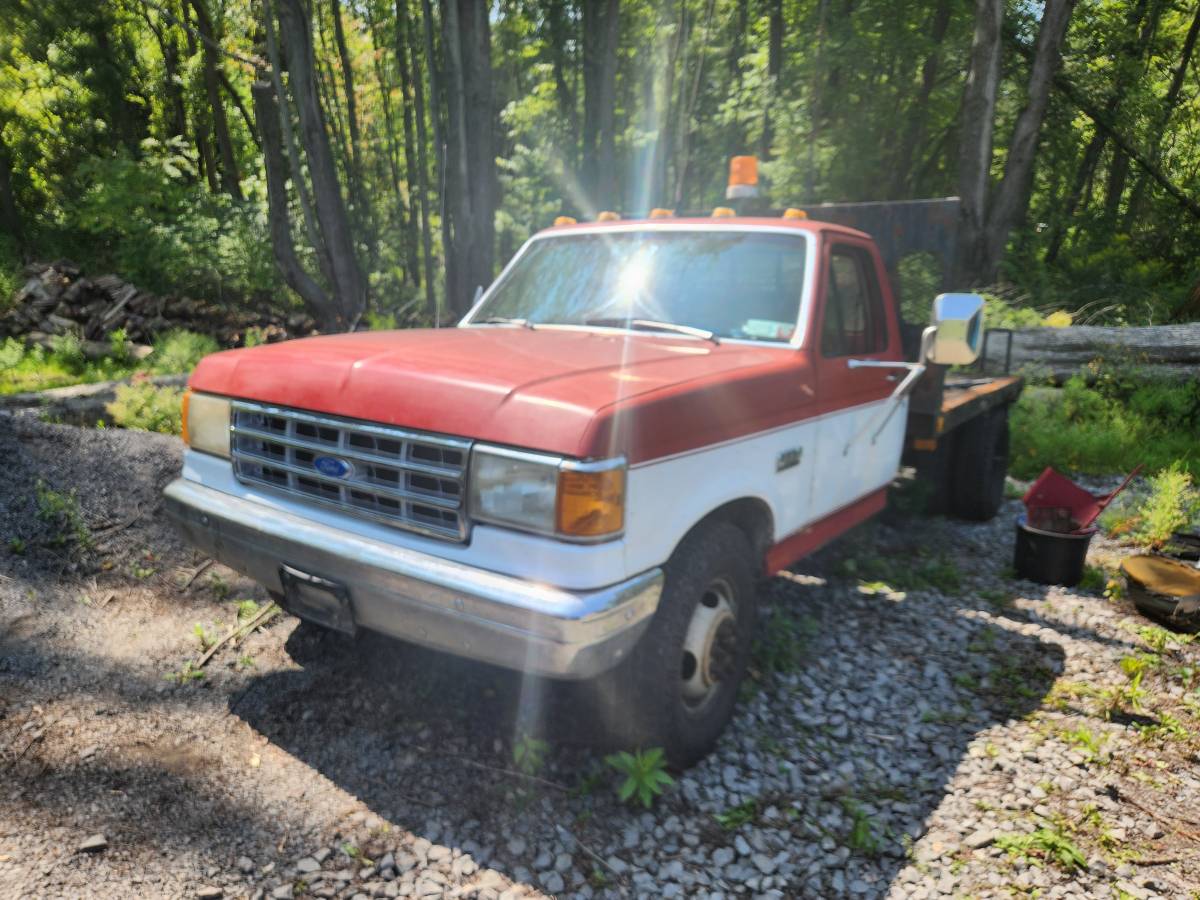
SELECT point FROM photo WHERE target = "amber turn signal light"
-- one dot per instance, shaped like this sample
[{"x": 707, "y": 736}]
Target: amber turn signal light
[
  {"x": 564, "y": 220},
  {"x": 184, "y": 404},
  {"x": 591, "y": 504},
  {"x": 607, "y": 216},
  {"x": 724, "y": 212},
  {"x": 659, "y": 213},
  {"x": 792, "y": 213}
]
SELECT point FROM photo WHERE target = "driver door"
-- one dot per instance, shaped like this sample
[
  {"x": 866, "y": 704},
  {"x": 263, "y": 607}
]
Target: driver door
[{"x": 854, "y": 322}]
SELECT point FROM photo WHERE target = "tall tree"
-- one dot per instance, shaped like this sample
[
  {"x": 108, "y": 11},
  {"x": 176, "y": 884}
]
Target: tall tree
[
  {"x": 349, "y": 283},
  {"x": 230, "y": 182},
  {"x": 470, "y": 159},
  {"x": 601, "y": 27},
  {"x": 988, "y": 221}
]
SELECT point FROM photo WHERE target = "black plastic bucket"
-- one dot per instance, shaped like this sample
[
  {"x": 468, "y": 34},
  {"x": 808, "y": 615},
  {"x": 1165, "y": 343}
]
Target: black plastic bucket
[{"x": 1050, "y": 557}]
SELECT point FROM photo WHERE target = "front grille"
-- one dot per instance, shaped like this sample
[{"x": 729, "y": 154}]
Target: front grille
[{"x": 407, "y": 479}]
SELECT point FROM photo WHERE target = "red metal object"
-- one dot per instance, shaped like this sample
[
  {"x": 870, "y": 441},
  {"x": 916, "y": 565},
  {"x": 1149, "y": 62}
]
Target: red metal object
[{"x": 1056, "y": 503}]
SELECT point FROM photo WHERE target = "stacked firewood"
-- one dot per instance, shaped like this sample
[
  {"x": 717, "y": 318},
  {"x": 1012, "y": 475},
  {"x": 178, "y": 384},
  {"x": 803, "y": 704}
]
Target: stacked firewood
[{"x": 57, "y": 299}]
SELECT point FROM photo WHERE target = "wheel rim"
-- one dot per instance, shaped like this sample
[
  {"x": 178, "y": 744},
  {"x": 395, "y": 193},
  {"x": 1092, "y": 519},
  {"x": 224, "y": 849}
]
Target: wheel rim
[{"x": 709, "y": 654}]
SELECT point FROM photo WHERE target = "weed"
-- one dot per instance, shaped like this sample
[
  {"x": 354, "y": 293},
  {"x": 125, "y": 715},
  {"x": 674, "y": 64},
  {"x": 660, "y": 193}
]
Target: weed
[
  {"x": 356, "y": 854},
  {"x": 966, "y": 681},
  {"x": 1167, "y": 727},
  {"x": 247, "y": 610},
  {"x": 997, "y": 599},
  {"x": 177, "y": 352},
  {"x": 246, "y": 661},
  {"x": 1047, "y": 844},
  {"x": 16, "y": 546},
  {"x": 1094, "y": 580},
  {"x": 118, "y": 347},
  {"x": 1091, "y": 743},
  {"x": 529, "y": 754},
  {"x": 782, "y": 641},
  {"x": 62, "y": 511},
  {"x": 204, "y": 636},
  {"x": 645, "y": 774},
  {"x": 146, "y": 407},
  {"x": 189, "y": 672},
  {"x": 1129, "y": 696},
  {"x": 219, "y": 586},
  {"x": 862, "y": 837},
  {"x": 589, "y": 781},
  {"x": 1159, "y": 638},
  {"x": 735, "y": 817}
]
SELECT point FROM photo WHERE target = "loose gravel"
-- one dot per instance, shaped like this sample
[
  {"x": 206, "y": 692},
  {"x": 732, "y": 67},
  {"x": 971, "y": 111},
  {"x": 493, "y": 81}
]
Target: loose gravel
[{"x": 920, "y": 724}]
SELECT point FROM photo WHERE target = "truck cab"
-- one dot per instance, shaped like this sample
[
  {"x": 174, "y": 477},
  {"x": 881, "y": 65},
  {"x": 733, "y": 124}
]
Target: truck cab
[{"x": 586, "y": 479}]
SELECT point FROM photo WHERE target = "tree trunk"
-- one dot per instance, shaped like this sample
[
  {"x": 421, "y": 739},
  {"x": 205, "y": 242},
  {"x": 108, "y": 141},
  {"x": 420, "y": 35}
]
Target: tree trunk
[
  {"x": 212, "y": 88},
  {"x": 687, "y": 107},
  {"x": 362, "y": 199},
  {"x": 423, "y": 178},
  {"x": 439, "y": 133},
  {"x": 918, "y": 111},
  {"x": 350, "y": 286},
  {"x": 1012, "y": 196},
  {"x": 410, "y": 150},
  {"x": 600, "y": 32},
  {"x": 470, "y": 169},
  {"x": 10, "y": 215},
  {"x": 1087, "y": 166},
  {"x": 774, "y": 71},
  {"x": 311, "y": 227},
  {"x": 316, "y": 301},
  {"x": 556, "y": 26},
  {"x": 393, "y": 150},
  {"x": 204, "y": 151},
  {"x": 978, "y": 120}
]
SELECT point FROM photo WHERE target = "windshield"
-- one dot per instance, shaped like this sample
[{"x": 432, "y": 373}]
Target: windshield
[{"x": 743, "y": 285}]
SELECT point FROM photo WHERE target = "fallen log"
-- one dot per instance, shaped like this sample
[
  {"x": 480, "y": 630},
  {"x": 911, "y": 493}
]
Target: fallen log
[{"x": 1171, "y": 351}]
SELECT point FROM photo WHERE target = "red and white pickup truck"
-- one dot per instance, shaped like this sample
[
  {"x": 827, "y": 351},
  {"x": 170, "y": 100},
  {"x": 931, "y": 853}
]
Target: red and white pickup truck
[{"x": 586, "y": 478}]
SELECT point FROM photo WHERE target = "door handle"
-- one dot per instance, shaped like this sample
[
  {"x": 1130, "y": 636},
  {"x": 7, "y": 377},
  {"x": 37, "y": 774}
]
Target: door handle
[{"x": 906, "y": 382}]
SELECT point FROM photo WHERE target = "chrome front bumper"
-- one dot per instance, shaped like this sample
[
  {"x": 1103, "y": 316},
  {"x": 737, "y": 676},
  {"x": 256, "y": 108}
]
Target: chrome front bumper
[{"x": 422, "y": 598}]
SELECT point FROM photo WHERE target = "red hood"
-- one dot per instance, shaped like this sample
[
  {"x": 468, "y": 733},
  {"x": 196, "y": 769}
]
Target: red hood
[{"x": 579, "y": 393}]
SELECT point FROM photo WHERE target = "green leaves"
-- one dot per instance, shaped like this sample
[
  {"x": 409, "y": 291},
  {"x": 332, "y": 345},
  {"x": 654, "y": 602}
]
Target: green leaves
[{"x": 645, "y": 774}]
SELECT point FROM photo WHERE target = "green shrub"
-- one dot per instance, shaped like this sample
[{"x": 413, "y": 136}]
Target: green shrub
[
  {"x": 146, "y": 407},
  {"x": 1106, "y": 428},
  {"x": 1173, "y": 503},
  {"x": 178, "y": 351}
]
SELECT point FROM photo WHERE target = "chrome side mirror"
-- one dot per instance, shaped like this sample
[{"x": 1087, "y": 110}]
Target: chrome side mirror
[{"x": 958, "y": 320}]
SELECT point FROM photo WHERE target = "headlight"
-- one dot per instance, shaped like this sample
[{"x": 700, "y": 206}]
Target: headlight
[
  {"x": 547, "y": 494},
  {"x": 206, "y": 423}
]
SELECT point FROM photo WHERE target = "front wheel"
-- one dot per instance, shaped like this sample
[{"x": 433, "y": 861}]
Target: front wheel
[{"x": 678, "y": 687}]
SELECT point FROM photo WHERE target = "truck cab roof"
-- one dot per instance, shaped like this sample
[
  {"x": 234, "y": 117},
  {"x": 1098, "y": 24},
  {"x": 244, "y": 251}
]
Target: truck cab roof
[{"x": 714, "y": 222}]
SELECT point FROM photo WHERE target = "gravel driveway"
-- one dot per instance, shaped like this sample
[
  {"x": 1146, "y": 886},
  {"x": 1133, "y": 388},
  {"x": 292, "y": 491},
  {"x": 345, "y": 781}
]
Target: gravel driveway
[{"x": 920, "y": 725}]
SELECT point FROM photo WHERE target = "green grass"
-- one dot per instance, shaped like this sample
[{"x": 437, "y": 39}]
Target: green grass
[
  {"x": 1110, "y": 427},
  {"x": 37, "y": 369},
  {"x": 1044, "y": 845}
]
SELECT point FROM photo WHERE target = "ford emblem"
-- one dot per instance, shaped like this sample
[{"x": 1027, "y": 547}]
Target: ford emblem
[{"x": 333, "y": 466}]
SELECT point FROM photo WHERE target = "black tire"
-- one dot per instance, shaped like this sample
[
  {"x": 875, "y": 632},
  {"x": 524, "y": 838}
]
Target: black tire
[
  {"x": 644, "y": 701},
  {"x": 980, "y": 466}
]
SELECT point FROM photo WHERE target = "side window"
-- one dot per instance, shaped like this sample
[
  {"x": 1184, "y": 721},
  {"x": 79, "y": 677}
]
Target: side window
[{"x": 854, "y": 320}]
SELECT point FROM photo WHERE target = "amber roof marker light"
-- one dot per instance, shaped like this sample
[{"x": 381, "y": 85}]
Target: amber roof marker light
[{"x": 743, "y": 178}]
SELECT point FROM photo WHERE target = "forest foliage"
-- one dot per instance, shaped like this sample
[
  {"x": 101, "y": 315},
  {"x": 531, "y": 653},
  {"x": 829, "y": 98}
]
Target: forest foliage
[{"x": 386, "y": 156}]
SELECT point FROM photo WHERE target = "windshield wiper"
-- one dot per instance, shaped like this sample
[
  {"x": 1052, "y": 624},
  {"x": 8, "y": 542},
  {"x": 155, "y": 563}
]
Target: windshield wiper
[
  {"x": 655, "y": 325},
  {"x": 504, "y": 320}
]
